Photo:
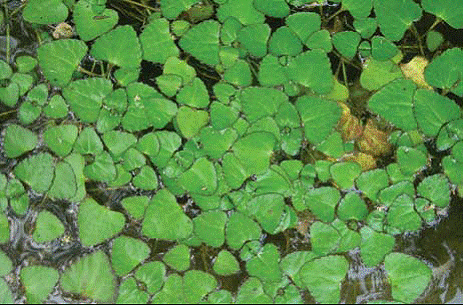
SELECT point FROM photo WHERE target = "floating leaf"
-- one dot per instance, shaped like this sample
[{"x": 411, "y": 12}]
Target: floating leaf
[
  {"x": 90, "y": 277},
  {"x": 352, "y": 207},
  {"x": 323, "y": 277},
  {"x": 18, "y": 140},
  {"x": 358, "y": 9},
  {"x": 38, "y": 282},
  {"x": 319, "y": 116},
  {"x": 210, "y": 228},
  {"x": 5, "y": 293},
  {"x": 45, "y": 11},
  {"x": 193, "y": 292},
  {"x": 5, "y": 229},
  {"x": 269, "y": 210},
  {"x": 157, "y": 42},
  {"x": 436, "y": 189},
  {"x": 254, "y": 151},
  {"x": 88, "y": 142},
  {"x": 47, "y": 227},
  {"x": 313, "y": 70},
  {"x": 97, "y": 223},
  {"x": 409, "y": 276},
  {"x": 322, "y": 202},
  {"x": 60, "y": 58},
  {"x": 382, "y": 49},
  {"x": 396, "y": 16},
  {"x": 56, "y": 108},
  {"x": 304, "y": 24},
  {"x": 202, "y": 42},
  {"x": 389, "y": 194},
  {"x": 240, "y": 228},
  {"x": 178, "y": 258},
  {"x": 9, "y": 95},
  {"x": 252, "y": 292},
  {"x": 129, "y": 293},
  {"x": 126, "y": 53},
  {"x": 345, "y": 173},
  {"x": 375, "y": 246},
  {"x": 402, "y": 215},
  {"x": 153, "y": 275},
  {"x": 442, "y": 72},
  {"x": 346, "y": 43},
  {"x": 127, "y": 253},
  {"x": 410, "y": 160},
  {"x": 190, "y": 121},
  {"x": 226, "y": 264},
  {"x": 135, "y": 205},
  {"x": 169, "y": 142},
  {"x": 146, "y": 179},
  {"x": 254, "y": 38},
  {"x": 37, "y": 171},
  {"x": 433, "y": 110},
  {"x": 284, "y": 42},
  {"x": 271, "y": 72},
  {"x": 216, "y": 142},
  {"x": 449, "y": 11},
  {"x": 85, "y": 97},
  {"x": 377, "y": 73},
  {"x": 320, "y": 40},
  {"x": 194, "y": 94},
  {"x": 165, "y": 219},
  {"x": 239, "y": 74},
  {"x": 60, "y": 139},
  {"x": 102, "y": 168},
  {"x": 434, "y": 40},
  {"x": 394, "y": 102},
  {"x": 324, "y": 238},
  {"x": 172, "y": 8},
  {"x": 88, "y": 25},
  {"x": 265, "y": 265},
  {"x": 365, "y": 26},
  {"x": 243, "y": 10},
  {"x": 261, "y": 102}
]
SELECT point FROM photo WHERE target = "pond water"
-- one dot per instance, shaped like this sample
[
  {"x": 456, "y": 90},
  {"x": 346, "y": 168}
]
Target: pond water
[{"x": 440, "y": 245}]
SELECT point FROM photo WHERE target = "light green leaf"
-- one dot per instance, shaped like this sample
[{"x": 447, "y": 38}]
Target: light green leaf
[
  {"x": 127, "y": 253},
  {"x": 18, "y": 140},
  {"x": 45, "y": 11},
  {"x": 47, "y": 227},
  {"x": 88, "y": 25},
  {"x": 202, "y": 42},
  {"x": 156, "y": 40},
  {"x": 38, "y": 282}
]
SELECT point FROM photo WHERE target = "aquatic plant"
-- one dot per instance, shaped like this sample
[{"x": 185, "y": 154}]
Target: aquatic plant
[{"x": 219, "y": 124}]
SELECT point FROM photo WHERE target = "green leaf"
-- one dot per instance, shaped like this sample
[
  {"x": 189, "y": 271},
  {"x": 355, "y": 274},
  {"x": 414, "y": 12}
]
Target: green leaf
[
  {"x": 97, "y": 223},
  {"x": 165, "y": 219},
  {"x": 88, "y": 142},
  {"x": 90, "y": 277},
  {"x": 365, "y": 26},
  {"x": 284, "y": 42},
  {"x": 190, "y": 121},
  {"x": 233, "y": 170},
  {"x": 260, "y": 102},
  {"x": 47, "y": 227},
  {"x": 153, "y": 275},
  {"x": 254, "y": 38},
  {"x": 216, "y": 142},
  {"x": 434, "y": 40},
  {"x": 102, "y": 168},
  {"x": 209, "y": 227},
  {"x": 239, "y": 74},
  {"x": 402, "y": 215},
  {"x": 193, "y": 292},
  {"x": 6, "y": 71},
  {"x": 375, "y": 246},
  {"x": 323, "y": 277},
  {"x": 389, "y": 194},
  {"x": 322, "y": 202},
  {"x": 408, "y": 275},
  {"x": 382, "y": 49},
  {"x": 352, "y": 207},
  {"x": 202, "y": 42},
  {"x": 28, "y": 113},
  {"x": 129, "y": 293},
  {"x": 169, "y": 142},
  {"x": 345, "y": 173},
  {"x": 60, "y": 58},
  {"x": 9, "y": 95},
  {"x": 127, "y": 253},
  {"x": 265, "y": 264},
  {"x": 433, "y": 110},
  {"x": 133, "y": 159},
  {"x": 269, "y": 211},
  {"x": 157, "y": 42},
  {"x": 56, "y": 108},
  {"x": 5, "y": 229},
  {"x": 271, "y": 72},
  {"x": 135, "y": 205},
  {"x": 320, "y": 40},
  {"x": 88, "y": 25},
  {"x": 394, "y": 102},
  {"x": 60, "y": 139},
  {"x": 411, "y": 160},
  {"x": 358, "y": 9},
  {"x": 5, "y": 293},
  {"x": 38, "y": 282},
  {"x": 346, "y": 43},
  {"x": 254, "y": 151},
  {"x": 252, "y": 292},
  {"x": 126, "y": 53},
  {"x": 37, "y": 171},
  {"x": 18, "y": 140},
  {"x": 304, "y": 24},
  {"x": 225, "y": 264},
  {"x": 194, "y": 94},
  {"x": 178, "y": 258},
  {"x": 377, "y": 73},
  {"x": 324, "y": 238},
  {"x": 85, "y": 97},
  {"x": 319, "y": 116},
  {"x": 449, "y": 11},
  {"x": 240, "y": 228},
  {"x": 442, "y": 72},
  {"x": 172, "y": 8},
  {"x": 243, "y": 10},
  {"x": 118, "y": 142},
  {"x": 396, "y": 16},
  {"x": 436, "y": 189},
  {"x": 45, "y": 11},
  {"x": 6, "y": 265},
  {"x": 272, "y": 8},
  {"x": 146, "y": 179},
  {"x": 292, "y": 263}
]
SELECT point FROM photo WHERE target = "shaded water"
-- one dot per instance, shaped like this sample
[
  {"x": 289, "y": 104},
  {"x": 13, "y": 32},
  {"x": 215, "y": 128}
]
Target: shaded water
[{"x": 440, "y": 245}]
